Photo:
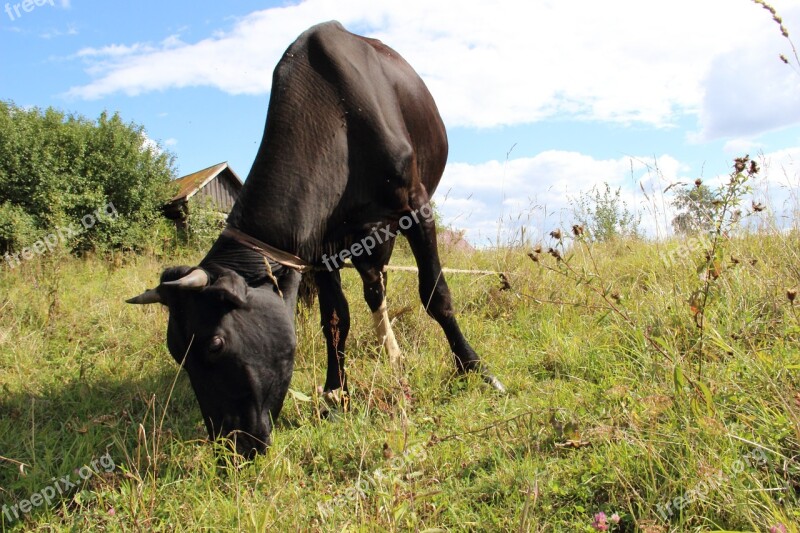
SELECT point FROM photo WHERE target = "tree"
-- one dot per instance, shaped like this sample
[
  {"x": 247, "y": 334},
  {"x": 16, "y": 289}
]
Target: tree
[
  {"x": 695, "y": 209},
  {"x": 56, "y": 169},
  {"x": 604, "y": 215}
]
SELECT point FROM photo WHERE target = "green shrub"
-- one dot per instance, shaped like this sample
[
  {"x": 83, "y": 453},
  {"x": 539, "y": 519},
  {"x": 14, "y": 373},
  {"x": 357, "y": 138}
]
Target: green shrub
[
  {"x": 17, "y": 227},
  {"x": 605, "y": 215},
  {"x": 56, "y": 169},
  {"x": 204, "y": 222}
]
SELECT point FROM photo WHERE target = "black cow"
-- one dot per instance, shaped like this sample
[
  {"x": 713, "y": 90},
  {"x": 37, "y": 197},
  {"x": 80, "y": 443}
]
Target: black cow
[{"x": 352, "y": 150}]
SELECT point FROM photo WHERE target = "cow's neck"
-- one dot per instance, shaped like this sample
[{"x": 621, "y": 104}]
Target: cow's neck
[
  {"x": 229, "y": 254},
  {"x": 300, "y": 172},
  {"x": 275, "y": 207}
]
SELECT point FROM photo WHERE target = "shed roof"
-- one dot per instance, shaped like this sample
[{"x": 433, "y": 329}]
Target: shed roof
[{"x": 191, "y": 183}]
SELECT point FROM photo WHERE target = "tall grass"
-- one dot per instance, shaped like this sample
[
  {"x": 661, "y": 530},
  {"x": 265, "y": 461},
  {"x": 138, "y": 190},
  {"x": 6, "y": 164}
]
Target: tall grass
[{"x": 604, "y": 411}]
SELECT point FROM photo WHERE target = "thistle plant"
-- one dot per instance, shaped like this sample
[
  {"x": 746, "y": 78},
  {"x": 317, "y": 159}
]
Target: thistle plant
[{"x": 724, "y": 217}]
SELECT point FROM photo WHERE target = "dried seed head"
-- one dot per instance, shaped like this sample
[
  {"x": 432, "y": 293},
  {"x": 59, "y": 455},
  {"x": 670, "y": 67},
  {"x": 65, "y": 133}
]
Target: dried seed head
[
  {"x": 387, "y": 451},
  {"x": 537, "y": 249},
  {"x": 766, "y": 6},
  {"x": 616, "y": 297},
  {"x": 734, "y": 260},
  {"x": 758, "y": 206},
  {"x": 556, "y": 234},
  {"x": 783, "y": 58},
  {"x": 753, "y": 168},
  {"x": 555, "y": 253},
  {"x": 577, "y": 230},
  {"x": 534, "y": 257},
  {"x": 791, "y": 294},
  {"x": 698, "y": 182},
  {"x": 504, "y": 283},
  {"x": 740, "y": 163}
]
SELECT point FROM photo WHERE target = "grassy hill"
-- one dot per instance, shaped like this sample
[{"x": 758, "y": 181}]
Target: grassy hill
[{"x": 619, "y": 402}]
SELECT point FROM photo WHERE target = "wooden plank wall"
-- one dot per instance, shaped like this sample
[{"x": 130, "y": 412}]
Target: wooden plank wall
[{"x": 221, "y": 191}]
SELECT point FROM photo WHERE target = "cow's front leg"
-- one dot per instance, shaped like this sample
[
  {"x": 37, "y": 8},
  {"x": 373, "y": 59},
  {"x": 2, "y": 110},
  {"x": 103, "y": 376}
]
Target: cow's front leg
[{"x": 335, "y": 321}]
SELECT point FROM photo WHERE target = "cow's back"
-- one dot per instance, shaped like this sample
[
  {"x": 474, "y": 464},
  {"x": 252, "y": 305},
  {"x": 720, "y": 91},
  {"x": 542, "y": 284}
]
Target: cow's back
[
  {"x": 382, "y": 97},
  {"x": 351, "y": 131}
]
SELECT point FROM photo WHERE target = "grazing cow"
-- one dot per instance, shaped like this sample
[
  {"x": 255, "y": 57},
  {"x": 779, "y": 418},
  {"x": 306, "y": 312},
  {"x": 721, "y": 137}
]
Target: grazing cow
[{"x": 352, "y": 150}]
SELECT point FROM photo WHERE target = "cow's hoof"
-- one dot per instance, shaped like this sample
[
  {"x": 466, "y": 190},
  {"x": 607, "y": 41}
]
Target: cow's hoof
[
  {"x": 494, "y": 382},
  {"x": 333, "y": 404},
  {"x": 486, "y": 376}
]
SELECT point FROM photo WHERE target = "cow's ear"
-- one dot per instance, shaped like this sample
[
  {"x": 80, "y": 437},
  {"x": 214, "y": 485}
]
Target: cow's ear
[{"x": 229, "y": 287}]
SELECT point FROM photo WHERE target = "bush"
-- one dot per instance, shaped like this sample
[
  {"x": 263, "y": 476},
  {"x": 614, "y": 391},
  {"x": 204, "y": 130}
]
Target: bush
[
  {"x": 17, "y": 228},
  {"x": 55, "y": 169},
  {"x": 204, "y": 222},
  {"x": 604, "y": 215}
]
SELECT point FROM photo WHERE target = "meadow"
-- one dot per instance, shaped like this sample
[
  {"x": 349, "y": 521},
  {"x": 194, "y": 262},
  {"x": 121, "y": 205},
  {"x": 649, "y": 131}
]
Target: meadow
[{"x": 663, "y": 395}]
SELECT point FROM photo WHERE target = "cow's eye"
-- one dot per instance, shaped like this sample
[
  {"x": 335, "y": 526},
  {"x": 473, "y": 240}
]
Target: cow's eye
[{"x": 216, "y": 345}]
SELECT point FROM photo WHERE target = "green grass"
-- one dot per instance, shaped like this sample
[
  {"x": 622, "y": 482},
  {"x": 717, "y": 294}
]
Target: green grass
[{"x": 596, "y": 419}]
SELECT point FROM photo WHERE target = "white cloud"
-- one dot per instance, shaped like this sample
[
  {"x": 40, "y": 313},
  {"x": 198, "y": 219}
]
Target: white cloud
[
  {"x": 748, "y": 89},
  {"x": 502, "y": 62},
  {"x": 115, "y": 51},
  {"x": 777, "y": 186},
  {"x": 155, "y": 146},
  {"x": 740, "y": 147},
  {"x": 52, "y": 34},
  {"x": 536, "y": 192},
  {"x": 149, "y": 144}
]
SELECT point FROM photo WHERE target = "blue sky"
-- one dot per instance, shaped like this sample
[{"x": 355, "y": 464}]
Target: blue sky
[{"x": 542, "y": 99}]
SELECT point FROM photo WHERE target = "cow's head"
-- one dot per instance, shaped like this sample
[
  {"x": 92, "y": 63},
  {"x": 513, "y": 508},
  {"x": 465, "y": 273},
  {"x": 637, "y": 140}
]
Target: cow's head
[{"x": 236, "y": 342}]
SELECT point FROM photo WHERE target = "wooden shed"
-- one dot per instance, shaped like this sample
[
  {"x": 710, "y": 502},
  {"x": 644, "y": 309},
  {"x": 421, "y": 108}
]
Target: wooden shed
[{"x": 219, "y": 183}]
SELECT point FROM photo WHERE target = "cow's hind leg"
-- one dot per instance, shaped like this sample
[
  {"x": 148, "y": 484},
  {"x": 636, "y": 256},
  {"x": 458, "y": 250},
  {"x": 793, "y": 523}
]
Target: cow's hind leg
[
  {"x": 420, "y": 230},
  {"x": 373, "y": 276},
  {"x": 335, "y": 320}
]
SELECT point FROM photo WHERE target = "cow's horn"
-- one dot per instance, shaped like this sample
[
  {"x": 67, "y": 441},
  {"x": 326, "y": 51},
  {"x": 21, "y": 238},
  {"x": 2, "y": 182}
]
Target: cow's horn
[
  {"x": 150, "y": 296},
  {"x": 195, "y": 279}
]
